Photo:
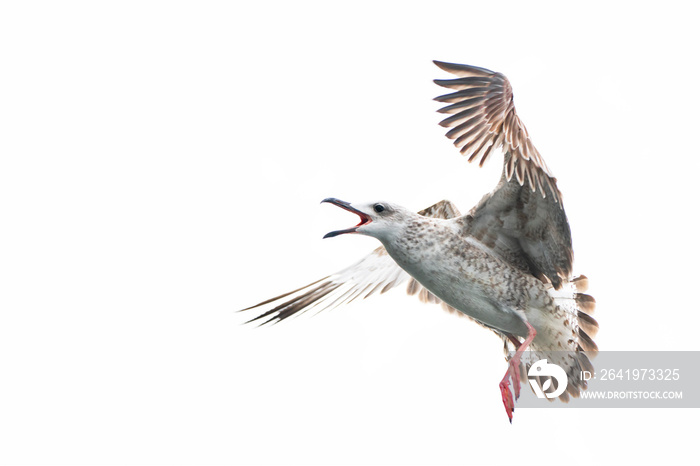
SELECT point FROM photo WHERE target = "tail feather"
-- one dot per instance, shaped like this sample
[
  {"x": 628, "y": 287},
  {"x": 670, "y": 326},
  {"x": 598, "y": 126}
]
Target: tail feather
[
  {"x": 585, "y": 363},
  {"x": 588, "y": 324},
  {"x": 564, "y": 397},
  {"x": 585, "y": 302},
  {"x": 581, "y": 283},
  {"x": 574, "y": 346},
  {"x": 572, "y": 390},
  {"x": 587, "y": 343}
]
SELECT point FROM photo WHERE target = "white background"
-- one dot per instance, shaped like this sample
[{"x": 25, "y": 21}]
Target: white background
[{"x": 162, "y": 167}]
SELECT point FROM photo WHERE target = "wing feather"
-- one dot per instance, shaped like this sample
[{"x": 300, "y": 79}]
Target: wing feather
[
  {"x": 489, "y": 98},
  {"x": 529, "y": 231},
  {"x": 524, "y": 228}
]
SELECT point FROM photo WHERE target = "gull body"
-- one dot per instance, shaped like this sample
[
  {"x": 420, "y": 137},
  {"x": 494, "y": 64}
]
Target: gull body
[
  {"x": 459, "y": 270},
  {"x": 507, "y": 264},
  {"x": 455, "y": 268}
]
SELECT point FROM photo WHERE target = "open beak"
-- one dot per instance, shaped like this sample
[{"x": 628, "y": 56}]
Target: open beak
[{"x": 364, "y": 218}]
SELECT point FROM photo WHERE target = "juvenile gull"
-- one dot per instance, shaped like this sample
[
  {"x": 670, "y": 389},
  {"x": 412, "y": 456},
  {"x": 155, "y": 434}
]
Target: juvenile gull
[{"x": 507, "y": 264}]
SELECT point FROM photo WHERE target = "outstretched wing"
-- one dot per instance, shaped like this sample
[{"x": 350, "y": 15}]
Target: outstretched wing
[
  {"x": 484, "y": 119},
  {"x": 375, "y": 273},
  {"x": 522, "y": 219}
]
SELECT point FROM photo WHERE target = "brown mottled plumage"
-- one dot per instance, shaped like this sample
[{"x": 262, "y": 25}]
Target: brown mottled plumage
[{"x": 507, "y": 264}]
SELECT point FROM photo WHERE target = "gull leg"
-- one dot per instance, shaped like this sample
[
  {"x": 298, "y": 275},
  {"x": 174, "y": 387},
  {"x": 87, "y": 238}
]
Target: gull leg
[
  {"x": 513, "y": 373},
  {"x": 513, "y": 339}
]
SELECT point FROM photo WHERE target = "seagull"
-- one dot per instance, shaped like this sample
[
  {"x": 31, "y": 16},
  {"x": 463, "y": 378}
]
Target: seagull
[{"x": 507, "y": 264}]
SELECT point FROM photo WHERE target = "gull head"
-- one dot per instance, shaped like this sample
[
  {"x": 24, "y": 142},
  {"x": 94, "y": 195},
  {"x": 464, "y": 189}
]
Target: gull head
[{"x": 381, "y": 220}]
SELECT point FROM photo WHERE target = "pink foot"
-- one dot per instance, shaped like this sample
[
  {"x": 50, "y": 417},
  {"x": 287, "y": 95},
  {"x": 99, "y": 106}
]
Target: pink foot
[
  {"x": 513, "y": 373},
  {"x": 507, "y": 397}
]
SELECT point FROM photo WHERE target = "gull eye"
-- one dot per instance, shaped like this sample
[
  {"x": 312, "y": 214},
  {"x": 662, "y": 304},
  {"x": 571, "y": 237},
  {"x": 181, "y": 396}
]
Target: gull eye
[{"x": 378, "y": 208}]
